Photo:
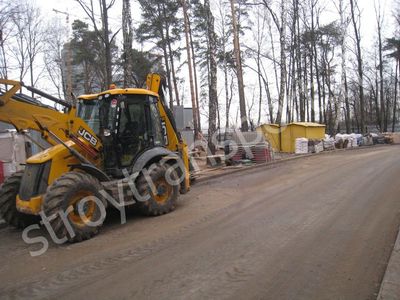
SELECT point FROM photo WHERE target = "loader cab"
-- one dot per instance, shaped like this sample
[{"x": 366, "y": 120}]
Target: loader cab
[{"x": 128, "y": 123}]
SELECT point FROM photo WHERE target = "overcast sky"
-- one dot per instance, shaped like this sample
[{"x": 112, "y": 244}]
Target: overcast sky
[{"x": 368, "y": 21}]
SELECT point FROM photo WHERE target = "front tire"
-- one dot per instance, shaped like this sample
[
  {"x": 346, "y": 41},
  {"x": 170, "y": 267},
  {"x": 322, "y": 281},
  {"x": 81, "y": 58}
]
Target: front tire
[
  {"x": 163, "y": 199},
  {"x": 77, "y": 194},
  {"x": 8, "y": 209}
]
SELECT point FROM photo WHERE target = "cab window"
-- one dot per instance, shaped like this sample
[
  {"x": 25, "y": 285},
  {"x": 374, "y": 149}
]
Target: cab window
[
  {"x": 157, "y": 131},
  {"x": 132, "y": 134}
]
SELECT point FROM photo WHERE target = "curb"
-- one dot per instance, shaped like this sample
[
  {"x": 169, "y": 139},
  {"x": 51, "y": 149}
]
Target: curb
[
  {"x": 390, "y": 286},
  {"x": 251, "y": 167},
  {"x": 277, "y": 162}
]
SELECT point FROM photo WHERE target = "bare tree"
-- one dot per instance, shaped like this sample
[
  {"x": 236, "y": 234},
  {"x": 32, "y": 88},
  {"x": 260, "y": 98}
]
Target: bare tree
[
  {"x": 27, "y": 42},
  {"x": 280, "y": 23},
  {"x": 260, "y": 39},
  {"x": 53, "y": 59},
  {"x": 103, "y": 31},
  {"x": 35, "y": 35},
  {"x": 212, "y": 94},
  {"x": 18, "y": 48},
  {"x": 224, "y": 59},
  {"x": 393, "y": 45},
  {"x": 239, "y": 70},
  {"x": 343, "y": 91},
  {"x": 313, "y": 4},
  {"x": 396, "y": 84},
  {"x": 379, "y": 23},
  {"x": 191, "y": 79},
  {"x": 127, "y": 33},
  {"x": 7, "y": 11},
  {"x": 196, "y": 88},
  {"x": 355, "y": 18}
]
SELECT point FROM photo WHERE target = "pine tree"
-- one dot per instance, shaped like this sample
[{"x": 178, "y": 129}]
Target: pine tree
[
  {"x": 128, "y": 39},
  {"x": 162, "y": 26}
]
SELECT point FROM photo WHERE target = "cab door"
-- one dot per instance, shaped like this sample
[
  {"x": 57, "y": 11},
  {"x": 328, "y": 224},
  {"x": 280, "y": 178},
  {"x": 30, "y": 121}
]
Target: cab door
[{"x": 133, "y": 129}]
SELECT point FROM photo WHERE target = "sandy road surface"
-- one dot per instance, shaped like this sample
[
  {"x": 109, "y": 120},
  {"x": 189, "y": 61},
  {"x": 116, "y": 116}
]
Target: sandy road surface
[{"x": 320, "y": 227}]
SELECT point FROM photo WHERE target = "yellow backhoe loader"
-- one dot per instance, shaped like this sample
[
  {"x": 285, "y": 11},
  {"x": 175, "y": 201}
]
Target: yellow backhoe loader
[{"x": 101, "y": 144}]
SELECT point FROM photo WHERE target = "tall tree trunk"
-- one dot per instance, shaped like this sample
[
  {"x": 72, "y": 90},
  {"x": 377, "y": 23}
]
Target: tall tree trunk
[
  {"x": 107, "y": 43},
  {"x": 300, "y": 86},
  {"x": 396, "y": 83},
  {"x": 260, "y": 89},
  {"x": 269, "y": 99},
  {"x": 305, "y": 87},
  {"x": 347, "y": 104},
  {"x": 271, "y": 35},
  {"x": 312, "y": 88},
  {"x": 331, "y": 103},
  {"x": 311, "y": 54},
  {"x": 196, "y": 88},
  {"x": 167, "y": 66},
  {"x": 324, "y": 98},
  {"x": 381, "y": 94},
  {"x": 291, "y": 82},
  {"x": 31, "y": 74},
  {"x": 173, "y": 72},
  {"x": 168, "y": 71},
  {"x": 213, "y": 94},
  {"x": 103, "y": 33},
  {"x": 343, "y": 84},
  {"x": 282, "y": 42},
  {"x": 297, "y": 45},
  {"x": 239, "y": 70},
  {"x": 4, "y": 73},
  {"x": 127, "y": 38},
  {"x": 292, "y": 93},
  {"x": 258, "y": 61},
  {"x": 228, "y": 98},
  {"x": 191, "y": 81},
  {"x": 388, "y": 98},
  {"x": 317, "y": 74},
  {"x": 270, "y": 106},
  {"x": 171, "y": 57},
  {"x": 359, "y": 66},
  {"x": 377, "y": 100}
]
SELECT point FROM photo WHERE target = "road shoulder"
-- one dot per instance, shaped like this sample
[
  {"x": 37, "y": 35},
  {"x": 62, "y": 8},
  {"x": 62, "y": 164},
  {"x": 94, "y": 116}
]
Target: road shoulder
[{"x": 390, "y": 287}]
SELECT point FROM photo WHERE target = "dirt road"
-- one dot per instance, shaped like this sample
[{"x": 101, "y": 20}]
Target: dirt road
[{"x": 320, "y": 227}]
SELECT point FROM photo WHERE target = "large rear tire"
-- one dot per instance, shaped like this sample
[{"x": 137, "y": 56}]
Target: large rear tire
[
  {"x": 78, "y": 193},
  {"x": 8, "y": 210},
  {"x": 163, "y": 199}
]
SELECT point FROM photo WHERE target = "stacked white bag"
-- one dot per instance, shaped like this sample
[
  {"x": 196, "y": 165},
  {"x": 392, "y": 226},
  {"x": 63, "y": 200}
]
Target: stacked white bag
[
  {"x": 319, "y": 147},
  {"x": 329, "y": 142},
  {"x": 301, "y": 146}
]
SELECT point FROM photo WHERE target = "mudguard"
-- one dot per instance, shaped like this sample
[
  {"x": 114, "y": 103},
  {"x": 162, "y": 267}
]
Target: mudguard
[
  {"x": 95, "y": 172},
  {"x": 161, "y": 154},
  {"x": 152, "y": 155}
]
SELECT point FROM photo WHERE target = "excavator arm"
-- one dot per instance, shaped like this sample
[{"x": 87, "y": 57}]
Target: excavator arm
[
  {"x": 156, "y": 84},
  {"x": 56, "y": 127}
]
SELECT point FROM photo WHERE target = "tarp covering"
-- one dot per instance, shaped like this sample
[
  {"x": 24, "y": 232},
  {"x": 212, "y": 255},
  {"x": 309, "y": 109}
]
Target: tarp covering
[{"x": 12, "y": 152}]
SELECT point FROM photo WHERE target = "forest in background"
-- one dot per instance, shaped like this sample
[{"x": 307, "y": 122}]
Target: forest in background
[{"x": 237, "y": 63}]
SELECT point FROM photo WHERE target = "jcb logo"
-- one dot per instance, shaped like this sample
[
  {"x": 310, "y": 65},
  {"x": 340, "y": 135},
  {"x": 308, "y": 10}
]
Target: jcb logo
[{"x": 87, "y": 136}]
